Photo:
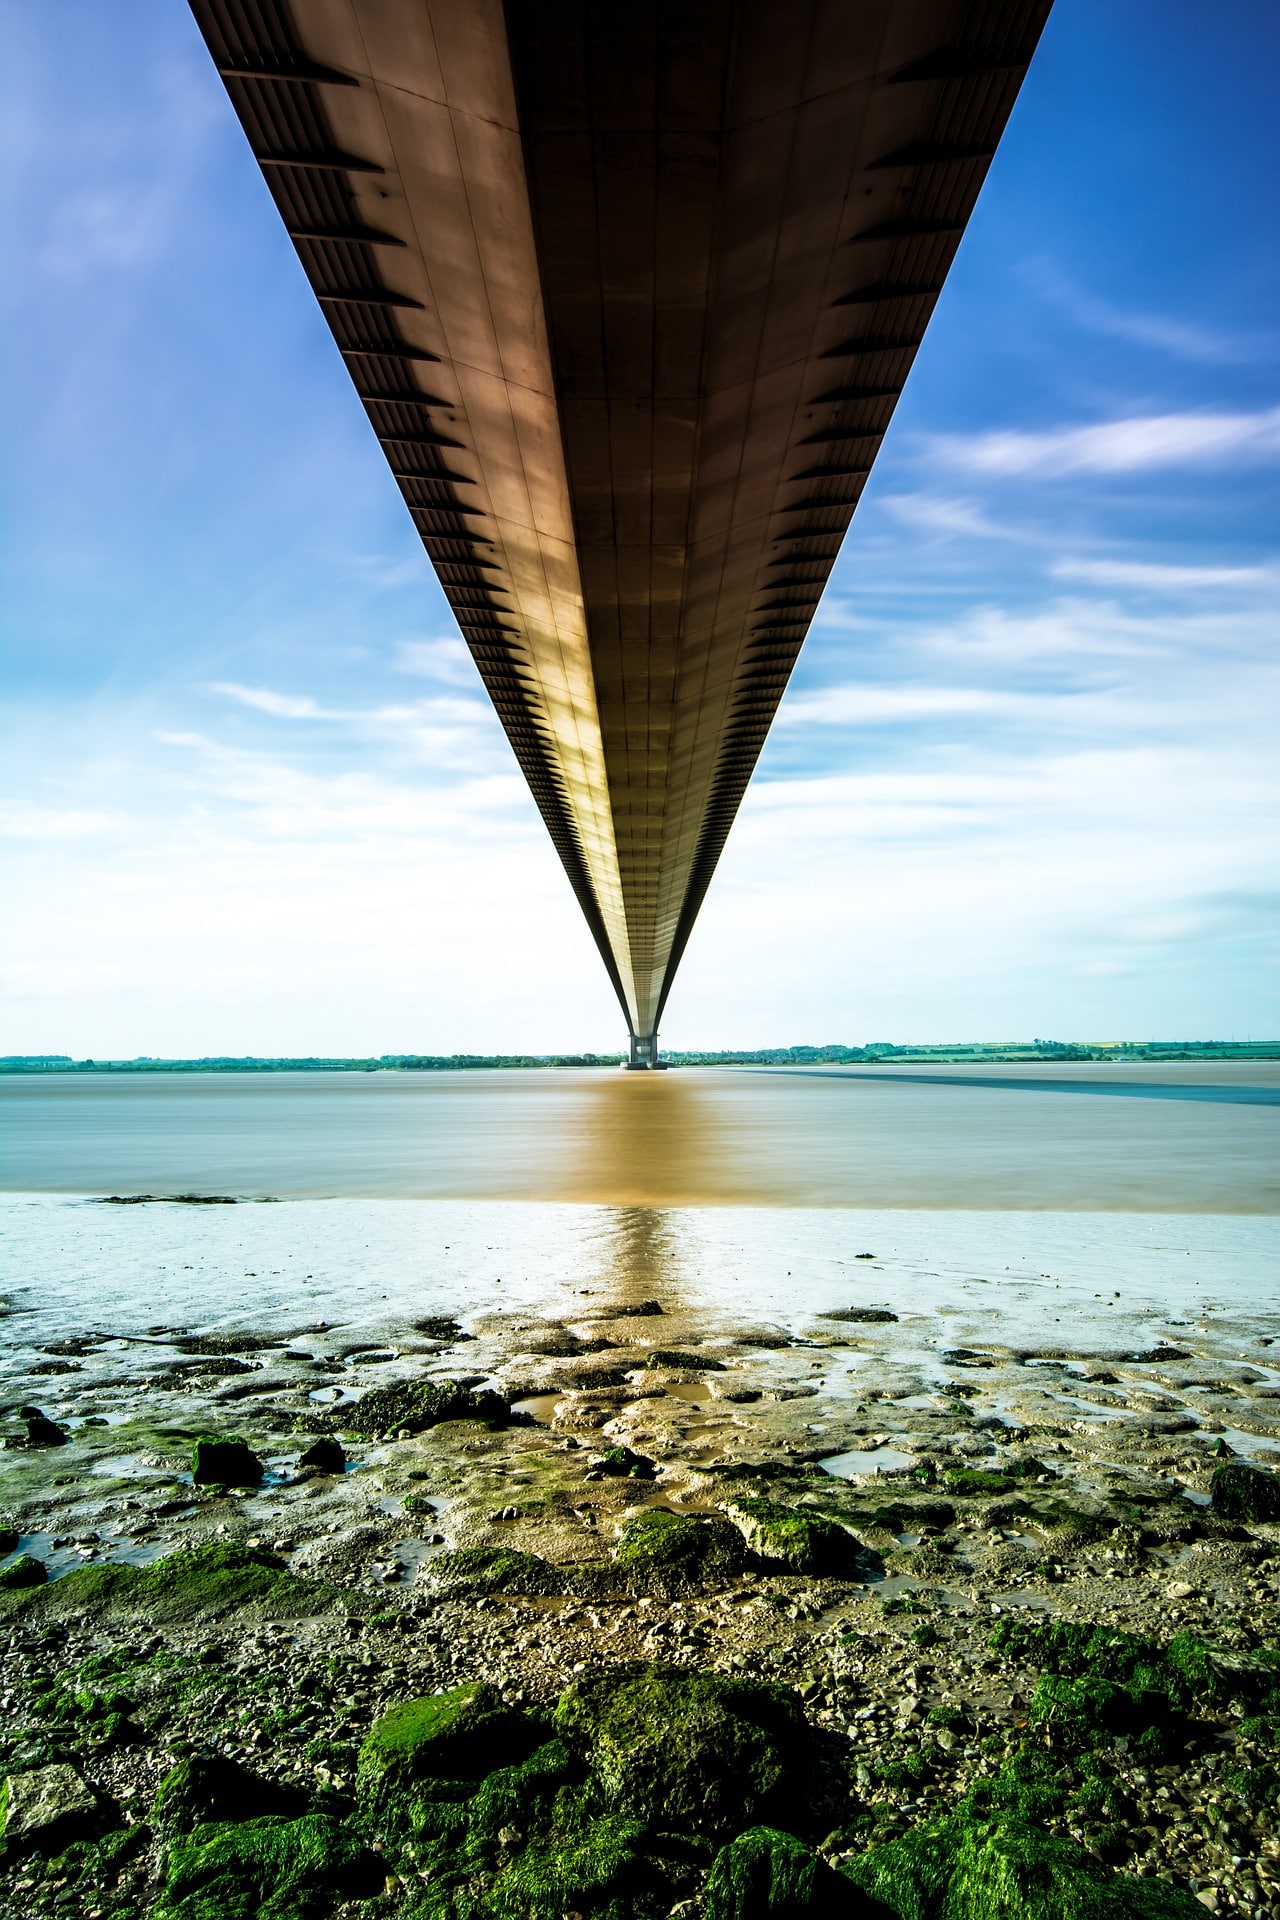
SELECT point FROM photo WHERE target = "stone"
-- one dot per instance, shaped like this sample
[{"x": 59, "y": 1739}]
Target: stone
[
  {"x": 45, "y": 1810},
  {"x": 325, "y": 1455},
  {"x": 706, "y": 1752},
  {"x": 670, "y": 1553},
  {"x": 768, "y": 1875},
  {"x": 805, "y": 1542},
  {"x": 41, "y": 1431},
  {"x": 224, "y": 1463},
  {"x": 1240, "y": 1492},
  {"x": 25, "y": 1571}
]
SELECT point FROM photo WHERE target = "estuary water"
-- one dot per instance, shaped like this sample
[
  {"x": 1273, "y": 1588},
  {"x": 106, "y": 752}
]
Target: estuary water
[{"x": 1089, "y": 1203}]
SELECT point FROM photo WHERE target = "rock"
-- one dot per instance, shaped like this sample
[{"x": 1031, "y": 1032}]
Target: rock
[
  {"x": 270, "y": 1866},
  {"x": 209, "y": 1786},
  {"x": 964, "y": 1865},
  {"x": 853, "y": 1316},
  {"x": 8, "y": 1539},
  {"x": 682, "y": 1362},
  {"x": 25, "y": 1571},
  {"x": 325, "y": 1455},
  {"x": 441, "y": 1326},
  {"x": 622, "y": 1462},
  {"x": 670, "y": 1553},
  {"x": 41, "y": 1431},
  {"x": 461, "y": 1735},
  {"x": 476, "y": 1570},
  {"x": 689, "y": 1751},
  {"x": 1240, "y": 1492},
  {"x": 413, "y": 1406},
  {"x": 45, "y": 1810},
  {"x": 768, "y": 1875},
  {"x": 224, "y": 1463},
  {"x": 640, "y": 1310},
  {"x": 804, "y": 1542}
]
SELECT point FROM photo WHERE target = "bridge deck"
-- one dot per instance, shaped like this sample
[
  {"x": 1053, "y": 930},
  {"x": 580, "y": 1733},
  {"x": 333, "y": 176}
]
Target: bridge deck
[{"x": 630, "y": 294}]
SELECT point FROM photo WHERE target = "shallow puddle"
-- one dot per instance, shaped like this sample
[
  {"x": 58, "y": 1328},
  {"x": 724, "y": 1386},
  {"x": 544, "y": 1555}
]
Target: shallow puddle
[{"x": 848, "y": 1466}]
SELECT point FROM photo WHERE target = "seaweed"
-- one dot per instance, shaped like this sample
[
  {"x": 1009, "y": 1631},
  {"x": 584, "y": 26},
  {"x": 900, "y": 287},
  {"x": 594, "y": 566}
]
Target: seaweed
[
  {"x": 268, "y": 1869},
  {"x": 766, "y": 1874},
  {"x": 805, "y": 1542},
  {"x": 671, "y": 1553}
]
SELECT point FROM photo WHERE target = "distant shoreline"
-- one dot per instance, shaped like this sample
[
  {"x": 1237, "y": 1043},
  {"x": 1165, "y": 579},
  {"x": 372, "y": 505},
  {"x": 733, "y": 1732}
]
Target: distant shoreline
[{"x": 958, "y": 1054}]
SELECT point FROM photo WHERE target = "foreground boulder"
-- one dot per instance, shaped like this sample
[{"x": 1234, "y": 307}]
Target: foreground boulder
[
  {"x": 224, "y": 1463},
  {"x": 687, "y": 1751},
  {"x": 46, "y": 1810},
  {"x": 962, "y": 1868},
  {"x": 459, "y": 1736},
  {"x": 207, "y": 1787},
  {"x": 768, "y": 1875},
  {"x": 279, "y": 1869},
  {"x": 25, "y": 1571},
  {"x": 671, "y": 1553},
  {"x": 1241, "y": 1492},
  {"x": 801, "y": 1541}
]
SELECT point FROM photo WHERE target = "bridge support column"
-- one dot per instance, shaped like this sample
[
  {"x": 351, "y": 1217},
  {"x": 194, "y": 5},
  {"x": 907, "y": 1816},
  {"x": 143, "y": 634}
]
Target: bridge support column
[{"x": 644, "y": 1053}]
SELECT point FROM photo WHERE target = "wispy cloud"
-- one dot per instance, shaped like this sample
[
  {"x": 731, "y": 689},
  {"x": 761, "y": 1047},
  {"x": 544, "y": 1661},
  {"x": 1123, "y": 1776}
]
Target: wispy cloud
[
  {"x": 1182, "y": 339},
  {"x": 938, "y": 513},
  {"x": 1139, "y": 444},
  {"x": 1154, "y": 577}
]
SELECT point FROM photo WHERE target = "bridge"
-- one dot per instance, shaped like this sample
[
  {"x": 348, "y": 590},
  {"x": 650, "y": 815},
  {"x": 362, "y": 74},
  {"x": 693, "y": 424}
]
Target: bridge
[{"x": 629, "y": 292}]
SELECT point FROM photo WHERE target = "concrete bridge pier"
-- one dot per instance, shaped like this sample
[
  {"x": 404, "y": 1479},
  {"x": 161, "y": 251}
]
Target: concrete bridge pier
[{"x": 644, "y": 1053}]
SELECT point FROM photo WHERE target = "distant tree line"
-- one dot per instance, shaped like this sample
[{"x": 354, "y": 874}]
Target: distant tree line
[{"x": 956, "y": 1054}]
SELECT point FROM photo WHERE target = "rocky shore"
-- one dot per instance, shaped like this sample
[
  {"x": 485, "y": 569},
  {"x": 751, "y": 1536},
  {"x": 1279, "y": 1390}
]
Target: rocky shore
[{"x": 731, "y": 1621}]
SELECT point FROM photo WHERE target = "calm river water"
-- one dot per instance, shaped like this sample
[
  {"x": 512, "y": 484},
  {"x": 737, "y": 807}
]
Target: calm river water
[{"x": 1100, "y": 1193}]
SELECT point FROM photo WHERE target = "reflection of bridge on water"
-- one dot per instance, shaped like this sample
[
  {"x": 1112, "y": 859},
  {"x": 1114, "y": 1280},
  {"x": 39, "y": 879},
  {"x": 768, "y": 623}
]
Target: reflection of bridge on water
[{"x": 630, "y": 294}]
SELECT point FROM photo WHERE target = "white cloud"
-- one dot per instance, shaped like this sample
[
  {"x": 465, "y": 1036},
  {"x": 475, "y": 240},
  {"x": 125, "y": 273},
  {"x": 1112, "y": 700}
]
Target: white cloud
[
  {"x": 936, "y": 513},
  {"x": 442, "y": 659},
  {"x": 1140, "y": 444},
  {"x": 871, "y": 705},
  {"x": 281, "y": 706},
  {"x": 1153, "y": 577},
  {"x": 1182, "y": 339}
]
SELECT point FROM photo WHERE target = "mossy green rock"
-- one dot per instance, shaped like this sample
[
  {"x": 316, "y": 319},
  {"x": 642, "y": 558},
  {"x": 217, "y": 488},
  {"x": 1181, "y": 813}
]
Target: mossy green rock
[
  {"x": 1241, "y": 1492},
  {"x": 670, "y": 1553},
  {"x": 687, "y": 1751},
  {"x": 1006, "y": 1869},
  {"x": 412, "y": 1406},
  {"x": 768, "y": 1875},
  {"x": 206, "y": 1787},
  {"x": 224, "y": 1463},
  {"x": 268, "y": 1869},
  {"x": 204, "y": 1583},
  {"x": 496, "y": 1570},
  {"x": 804, "y": 1542},
  {"x": 460, "y": 1735},
  {"x": 25, "y": 1571}
]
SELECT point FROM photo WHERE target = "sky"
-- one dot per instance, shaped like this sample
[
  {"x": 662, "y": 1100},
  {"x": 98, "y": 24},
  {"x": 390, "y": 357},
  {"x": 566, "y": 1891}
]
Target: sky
[{"x": 1025, "y": 782}]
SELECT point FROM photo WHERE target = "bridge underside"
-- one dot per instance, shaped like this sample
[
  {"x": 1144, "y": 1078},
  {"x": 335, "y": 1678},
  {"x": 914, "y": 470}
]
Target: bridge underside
[{"x": 630, "y": 293}]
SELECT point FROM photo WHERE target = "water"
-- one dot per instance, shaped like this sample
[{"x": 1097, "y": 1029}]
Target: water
[
  {"x": 1188, "y": 1138},
  {"x": 1009, "y": 1211}
]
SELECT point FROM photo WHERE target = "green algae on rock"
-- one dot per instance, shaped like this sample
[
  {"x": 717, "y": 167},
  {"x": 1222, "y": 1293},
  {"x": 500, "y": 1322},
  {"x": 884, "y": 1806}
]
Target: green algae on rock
[
  {"x": 687, "y": 1750},
  {"x": 496, "y": 1570},
  {"x": 803, "y": 1541},
  {"x": 964, "y": 1868},
  {"x": 460, "y": 1735},
  {"x": 671, "y": 1553},
  {"x": 209, "y": 1787},
  {"x": 766, "y": 1874},
  {"x": 268, "y": 1869},
  {"x": 196, "y": 1583},
  {"x": 1241, "y": 1492},
  {"x": 228, "y": 1462},
  {"x": 410, "y": 1406},
  {"x": 25, "y": 1571}
]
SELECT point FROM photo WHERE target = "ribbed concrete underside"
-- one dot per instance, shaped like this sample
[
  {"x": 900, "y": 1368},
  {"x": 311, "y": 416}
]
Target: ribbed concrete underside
[{"x": 630, "y": 293}]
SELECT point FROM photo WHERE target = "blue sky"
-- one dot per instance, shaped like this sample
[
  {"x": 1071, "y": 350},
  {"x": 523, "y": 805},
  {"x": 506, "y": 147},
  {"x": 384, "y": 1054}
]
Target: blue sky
[{"x": 1025, "y": 781}]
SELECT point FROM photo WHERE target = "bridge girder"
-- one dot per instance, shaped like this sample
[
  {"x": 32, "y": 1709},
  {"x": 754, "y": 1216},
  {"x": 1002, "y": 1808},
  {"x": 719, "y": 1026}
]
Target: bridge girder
[{"x": 630, "y": 293}]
